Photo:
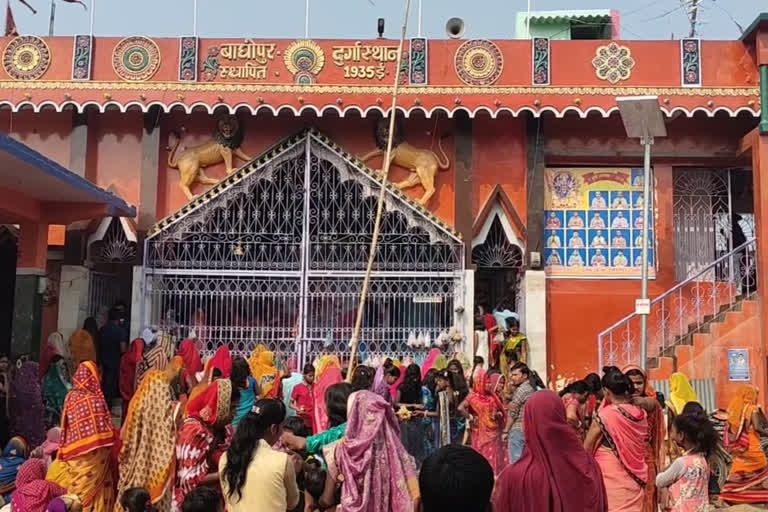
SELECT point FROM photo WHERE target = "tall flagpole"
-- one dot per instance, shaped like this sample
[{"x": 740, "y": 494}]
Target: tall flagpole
[
  {"x": 53, "y": 17},
  {"x": 306, "y": 20},
  {"x": 419, "y": 29},
  {"x": 194, "y": 19},
  {"x": 93, "y": 14},
  {"x": 380, "y": 207}
]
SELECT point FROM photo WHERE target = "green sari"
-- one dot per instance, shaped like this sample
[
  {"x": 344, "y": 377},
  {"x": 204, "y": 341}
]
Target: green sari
[{"x": 55, "y": 389}]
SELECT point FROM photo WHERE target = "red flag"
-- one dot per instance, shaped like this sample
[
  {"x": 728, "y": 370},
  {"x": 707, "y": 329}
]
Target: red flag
[{"x": 10, "y": 24}]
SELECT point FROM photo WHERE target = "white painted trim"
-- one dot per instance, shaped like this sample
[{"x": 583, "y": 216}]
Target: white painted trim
[
  {"x": 497, "y": 211},
  {"x": 319, "y": 111}
]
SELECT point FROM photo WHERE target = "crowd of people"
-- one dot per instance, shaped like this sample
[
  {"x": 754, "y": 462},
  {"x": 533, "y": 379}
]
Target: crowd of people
[{"x": 240, "y": 434}]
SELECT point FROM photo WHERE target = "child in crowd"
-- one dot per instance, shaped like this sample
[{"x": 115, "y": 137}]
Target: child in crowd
[
  {"x": 202, "y": 499},
  {"x": 303, "y": 398},
  {"x": 391, "y": 375},
  {"x": 456, "y": 477},
  {"x": 315, "y": 484},
  {"x": 242, "y": 378},
  {"x": 136, "y": 499},
  {"x": 685, "y": 481}
]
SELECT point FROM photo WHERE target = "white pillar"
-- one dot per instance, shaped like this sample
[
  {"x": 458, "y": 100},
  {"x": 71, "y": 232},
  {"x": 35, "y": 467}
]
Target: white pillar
[
  {"x": 73, "y": 298},
  {"x": 468, "y": 318},
  {"x": 535, "y": 296},
  {"x": 137, "y": 301}
]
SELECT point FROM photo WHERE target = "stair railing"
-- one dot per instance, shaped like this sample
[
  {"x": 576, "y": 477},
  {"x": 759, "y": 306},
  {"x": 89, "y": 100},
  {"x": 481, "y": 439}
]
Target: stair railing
[{"x": 683, "y": 310}]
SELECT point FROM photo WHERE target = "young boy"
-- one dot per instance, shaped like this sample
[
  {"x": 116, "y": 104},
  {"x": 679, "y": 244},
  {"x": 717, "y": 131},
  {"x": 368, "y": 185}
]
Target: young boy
[
  {"x": 303, "y": 398},
  {"x": 202, "y": 499},
  {"x": 242, "y": 378}
]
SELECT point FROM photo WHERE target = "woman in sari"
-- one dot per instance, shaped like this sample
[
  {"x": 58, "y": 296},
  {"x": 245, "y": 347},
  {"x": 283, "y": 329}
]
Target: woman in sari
[
  {"x": 554, "y": 474},
  {"x": 33, "y": 492},
  {"x": 644, "y": 396},
  {"x": 192, "y": 362},
  {"x": 263, "y": 369},
  {"x": 82, "y": 342},
  {"x": 327, "y": 373},
  {"x": 410, "y": 412},
  {"x": 128, "y": 362},
  {"x": 378, "y": 474},
  {"x": 147, "y": 457},
  {"x": 435, "y": 360},
  {"x": 617, "y": 438},
  {"x": 515, "y": 346},
  {"x": 203, "y": 438},
  {"x": 486, "y": 411},
  {"x": 680, "y": 393},
  {"x": 158, "y": 351},
  {"x": 221, "y": 361},
  {"x": 14, "y": 455},
  {"x": 431, "y": 420},
  {"x": 450, "y": 424},
  {"x": 54, "y": 346},
  {"x": 84, "y": 465},
  {"x": 55, "y": 389},
  {"x": 748, "y": 479},
  {"x": 25, "y": 405},
  {"x": 574, "y": 397}
]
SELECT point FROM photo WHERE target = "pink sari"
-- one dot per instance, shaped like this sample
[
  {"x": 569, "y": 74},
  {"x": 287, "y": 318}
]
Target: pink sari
[
  {"x": 328, "y": 373},
  {"x": 621, "y": 456},
  {"x": 379, "y": 475},
  {"x": 488, "y": 413}
]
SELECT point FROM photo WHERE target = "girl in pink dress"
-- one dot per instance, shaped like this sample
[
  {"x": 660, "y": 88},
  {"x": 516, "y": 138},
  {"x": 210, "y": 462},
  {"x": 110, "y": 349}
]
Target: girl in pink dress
[{"x": 686, "y": 479}]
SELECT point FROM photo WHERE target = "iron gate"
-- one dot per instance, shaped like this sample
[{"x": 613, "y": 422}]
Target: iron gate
[{"x": 278, "y": 257}]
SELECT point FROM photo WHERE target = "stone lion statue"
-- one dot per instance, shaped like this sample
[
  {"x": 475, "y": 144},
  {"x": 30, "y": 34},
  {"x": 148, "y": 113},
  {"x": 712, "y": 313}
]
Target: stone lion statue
[
  {"x": 191, "y": 162},
  {"x": 423, "y": 164}
]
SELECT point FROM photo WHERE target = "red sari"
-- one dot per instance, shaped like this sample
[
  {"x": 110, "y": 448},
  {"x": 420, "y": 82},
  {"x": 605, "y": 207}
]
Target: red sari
[
  {"x": 128, "y": 363},
  {"x": 488, "y": 412},
  {"x": 191, "y": 357},
  {"x": 554, "y": 474},
  {"x": 197, "y": 450}
]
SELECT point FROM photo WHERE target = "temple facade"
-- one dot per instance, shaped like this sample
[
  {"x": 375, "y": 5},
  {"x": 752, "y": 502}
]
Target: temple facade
[{"x": 254, "y": 169}]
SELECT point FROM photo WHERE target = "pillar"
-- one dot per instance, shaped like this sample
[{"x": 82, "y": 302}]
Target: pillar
[
  {"x": 466, "y": 320},
  {"x": 150, "y": 162},
  {"x": 535, "y": 186},
  {"x": 462, "y": 184},
  {"x": 535, "y": 286},
  {"x": 29, "y": 288},
  {"x": 138, "y": 313},
  {"x": 73, "y": 298}
]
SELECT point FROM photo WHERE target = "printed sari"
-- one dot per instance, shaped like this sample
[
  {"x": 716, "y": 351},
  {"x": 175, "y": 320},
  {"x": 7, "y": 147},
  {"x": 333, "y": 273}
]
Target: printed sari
[
  {"x": 84, "y": 466},
  {"x": 327, "y": 373},
  {"x": 748, "y": 479},
  {"x": 14, "y": 455},
  {"x": 379, "y": 475},
  {"x": 621, "y": 456},
  {"x": 156, "y": 355},
  {"x": 33, "y": 492},
  {"x": 515, "y": 343},
  {"x": 488, "y": 415},
  {"x": 222, "y": 361},
  {"x": 198, "y": 447},
  {"x": 435, "y": 359},
  {"x": 25, "y": 405},
  {"x": 654, "y": 449},
  {"x": 191, "y": 357},
  {"x": 147, "y": 458}
]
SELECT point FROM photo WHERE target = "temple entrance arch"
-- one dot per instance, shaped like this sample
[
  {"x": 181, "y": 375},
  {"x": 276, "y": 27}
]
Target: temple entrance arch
[
  {"x": 276, "y": 254},
  {"x": 497, "y": 253}
]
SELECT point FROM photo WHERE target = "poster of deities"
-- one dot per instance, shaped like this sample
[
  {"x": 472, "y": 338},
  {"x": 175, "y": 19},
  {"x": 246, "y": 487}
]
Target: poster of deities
[{"x": 593, "y": 223}]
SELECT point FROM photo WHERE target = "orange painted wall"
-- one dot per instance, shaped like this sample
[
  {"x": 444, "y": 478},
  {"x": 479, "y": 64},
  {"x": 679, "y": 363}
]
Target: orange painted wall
[
  {"x": 47, "y": 132},
  {"x": 114, "y": 147},
  {"x": 352, "y": 133},
  {"x": 708, "y": 357},
  {"x": 499, "y": 157}
]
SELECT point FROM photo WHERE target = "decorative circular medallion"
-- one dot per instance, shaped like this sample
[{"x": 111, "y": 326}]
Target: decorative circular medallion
[
  {"x": 136, "y": 58},
  {"x": 304, "y": 59},
  {"x": 26, "y": 58},
  {"x": 478, "y": 62}
]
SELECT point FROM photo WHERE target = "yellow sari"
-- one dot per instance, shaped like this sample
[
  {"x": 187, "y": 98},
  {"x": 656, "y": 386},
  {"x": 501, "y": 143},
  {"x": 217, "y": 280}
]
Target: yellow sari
[
  {"x": 680, "y": 392},
  {"x": 263, "y": 369},
  {"x": 89, "y": 477},
  {"x": 519, "y": 343},
  {"x": 148, "y": 458}
]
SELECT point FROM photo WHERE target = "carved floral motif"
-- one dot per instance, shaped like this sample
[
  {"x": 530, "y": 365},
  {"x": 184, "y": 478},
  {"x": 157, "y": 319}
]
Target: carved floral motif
[{"x": 613, "y": 63}]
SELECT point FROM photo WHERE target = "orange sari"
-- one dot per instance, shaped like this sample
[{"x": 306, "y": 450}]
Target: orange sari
[{"x": 748, "y": 480}]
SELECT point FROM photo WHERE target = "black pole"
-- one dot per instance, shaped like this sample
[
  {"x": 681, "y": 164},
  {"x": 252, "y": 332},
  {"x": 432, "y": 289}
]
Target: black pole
[{"x": 53, "y": 17}]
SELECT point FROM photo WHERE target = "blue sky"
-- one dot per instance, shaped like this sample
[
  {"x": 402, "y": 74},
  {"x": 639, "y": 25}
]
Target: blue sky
[{"x": 641, "y": 19}]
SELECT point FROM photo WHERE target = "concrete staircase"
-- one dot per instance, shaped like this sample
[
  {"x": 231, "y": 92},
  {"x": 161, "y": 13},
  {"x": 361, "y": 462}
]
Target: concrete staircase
[{"x": 702, "y": 352}]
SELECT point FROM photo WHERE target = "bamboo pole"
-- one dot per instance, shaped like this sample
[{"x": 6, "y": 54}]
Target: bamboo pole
[{"x": 380, "y": 207}]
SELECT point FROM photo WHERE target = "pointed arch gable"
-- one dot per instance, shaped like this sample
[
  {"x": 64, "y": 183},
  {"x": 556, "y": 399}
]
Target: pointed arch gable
[{"x": 498, "y": 203}]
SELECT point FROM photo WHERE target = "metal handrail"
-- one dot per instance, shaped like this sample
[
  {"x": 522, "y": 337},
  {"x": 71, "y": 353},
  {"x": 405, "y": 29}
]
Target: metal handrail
[{"x": 677, "y": 287}]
